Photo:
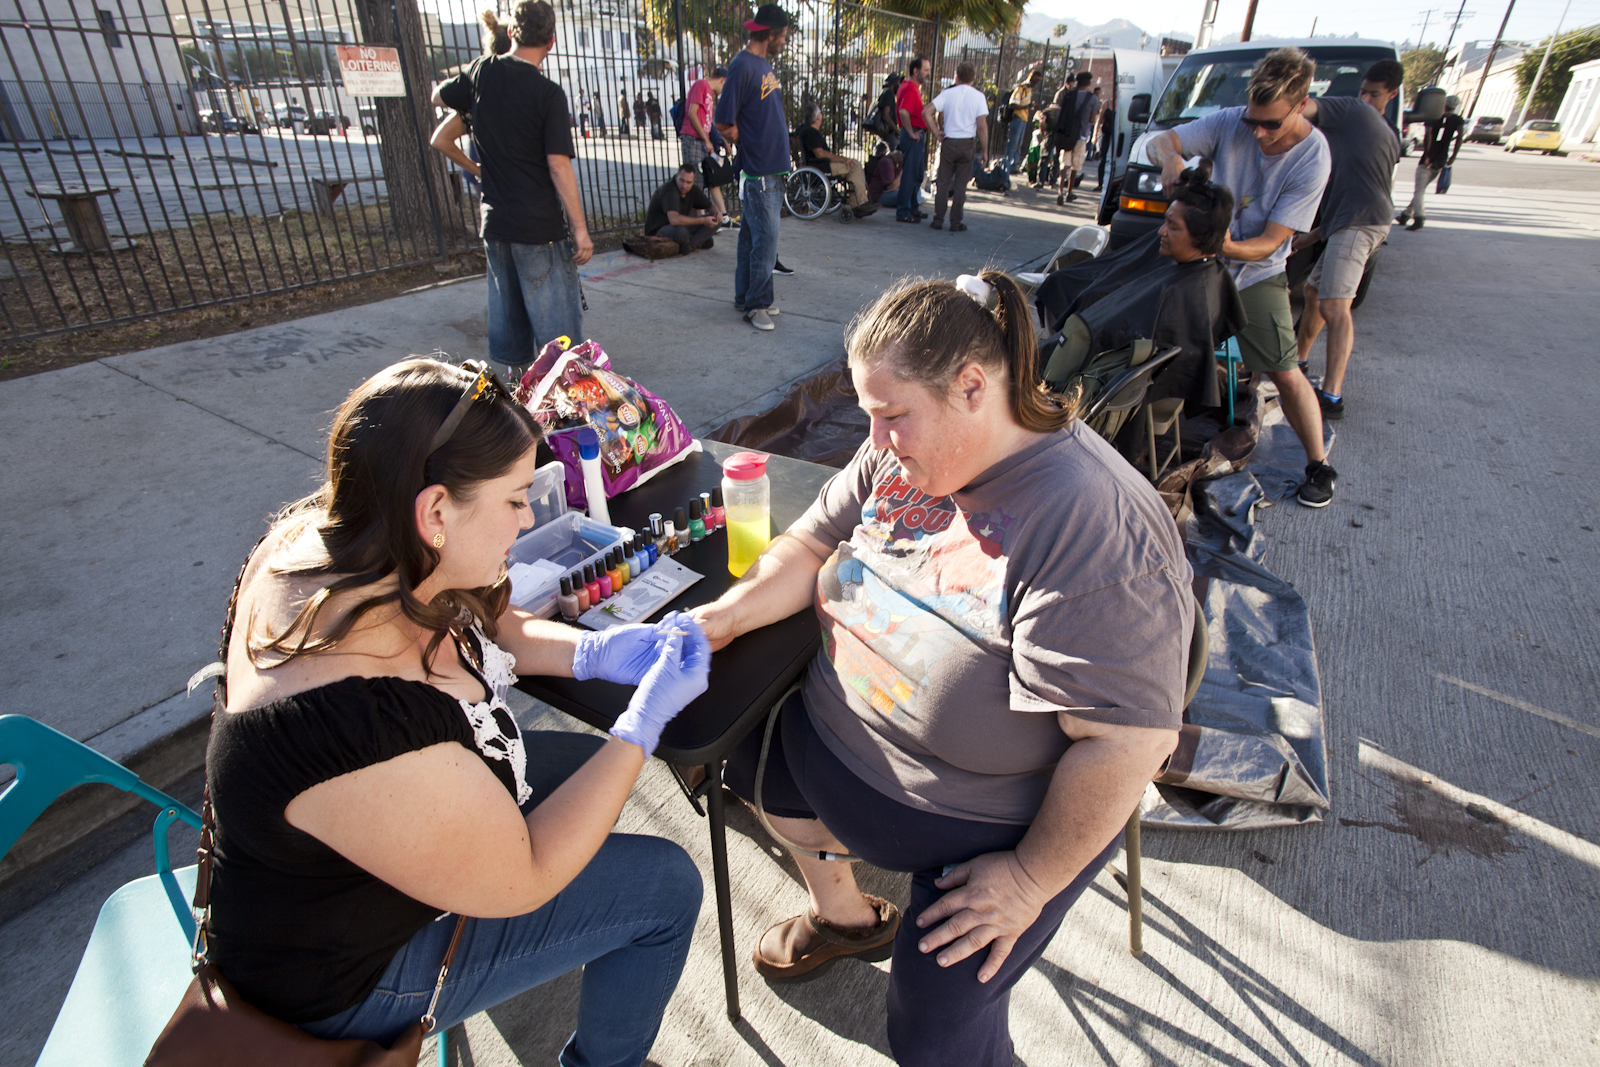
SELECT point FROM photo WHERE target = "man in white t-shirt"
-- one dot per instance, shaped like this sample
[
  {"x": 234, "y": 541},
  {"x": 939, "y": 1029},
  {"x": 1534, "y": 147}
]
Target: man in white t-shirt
[{"x": 961, "y": 127}]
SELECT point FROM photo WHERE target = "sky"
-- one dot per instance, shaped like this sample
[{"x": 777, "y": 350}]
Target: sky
[{"x": 1382, "y": 19}]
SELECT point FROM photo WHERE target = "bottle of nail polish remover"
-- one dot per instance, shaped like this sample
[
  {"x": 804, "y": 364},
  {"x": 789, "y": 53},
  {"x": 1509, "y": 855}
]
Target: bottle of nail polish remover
[
  {"x": 568, "y": 602},
  {"x": 669, "y": 538},
  {"x": 719, "y": 514},
  {"x": 680, "y": 519},
  {"x": 592, "y": 584},
  {"x": 697, "y": 525}
]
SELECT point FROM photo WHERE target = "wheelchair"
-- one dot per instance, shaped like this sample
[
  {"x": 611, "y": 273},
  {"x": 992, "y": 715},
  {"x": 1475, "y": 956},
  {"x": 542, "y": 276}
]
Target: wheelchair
[{"x": 811, "y": 192}]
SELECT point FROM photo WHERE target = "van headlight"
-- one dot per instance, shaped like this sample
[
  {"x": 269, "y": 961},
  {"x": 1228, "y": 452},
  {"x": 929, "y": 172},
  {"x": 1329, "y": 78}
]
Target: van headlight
[{"x": 1147, "y": 183}]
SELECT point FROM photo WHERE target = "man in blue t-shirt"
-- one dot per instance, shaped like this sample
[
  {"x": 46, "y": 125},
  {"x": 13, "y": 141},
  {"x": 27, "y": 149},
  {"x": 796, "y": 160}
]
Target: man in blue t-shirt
[
  {"x": 1275, "y": 163},
  {"x": 750, "y": 115}
]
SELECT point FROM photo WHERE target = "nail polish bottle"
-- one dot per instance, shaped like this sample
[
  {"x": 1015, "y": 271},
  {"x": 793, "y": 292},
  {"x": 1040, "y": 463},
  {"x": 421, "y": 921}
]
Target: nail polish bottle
[
  {"x": 633, "y": 559},
  {"x": 697, "y": 525},
  {"x": 719, "y": 516},
  {"x": 705, "y": 511},
  {"x": 622, "y": 568},
  {"x": 592, "y": 584},
  {"x": 603, "y": 576},
  {"x": 613, "y": 568},
  {"x": 580, "y": 591},
  {"x": 568, "y": 602},
  {"x": 669, "y": 538},
  {"x": 652, "y": 552},
  {"x": 680, "y": 519}
]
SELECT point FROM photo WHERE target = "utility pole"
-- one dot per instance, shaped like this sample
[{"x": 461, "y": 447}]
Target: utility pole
[
  {"x": 1249, "y": 21},
  {"x": 1527, "y": 101},
  {"x": 1313, "y": 32},
  {"x": 1444, "y": 57},
  {"x": 1489, "y": 62},
  {"x": 1422, "y": 38},
  {"x": 1208, "y": 22}
]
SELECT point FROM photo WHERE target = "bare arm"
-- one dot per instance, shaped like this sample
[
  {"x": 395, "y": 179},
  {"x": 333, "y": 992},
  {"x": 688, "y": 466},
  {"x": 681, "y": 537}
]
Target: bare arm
[
  {"x": 994, "y": 898},
  {"x": 780, "y": 583},
  {"x": 445, "y": 140},
  {"x": 1259, "y": 247},
  {"x": 567, "y": 189},
  {"x": 905, "y": 121},
  {"x": 540, "y": 646},
  {"x": 1166, "y": 151},
  {"x": 983, "y": 140},
  {"x": 440, "y": 827},
  {"x": 700, "y": 128},
  {"x": 729, "y": 131},
  {"x": 931, "y": 118}
]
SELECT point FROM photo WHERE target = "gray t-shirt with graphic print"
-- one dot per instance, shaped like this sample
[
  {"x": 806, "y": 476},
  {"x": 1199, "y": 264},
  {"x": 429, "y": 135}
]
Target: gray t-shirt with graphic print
[
  {"x": 1286, "y": 189},
  {"x": 954, "y": 627}
]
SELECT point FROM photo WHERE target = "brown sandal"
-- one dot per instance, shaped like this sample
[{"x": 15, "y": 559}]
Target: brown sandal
[{"x": 805, "y": 946}]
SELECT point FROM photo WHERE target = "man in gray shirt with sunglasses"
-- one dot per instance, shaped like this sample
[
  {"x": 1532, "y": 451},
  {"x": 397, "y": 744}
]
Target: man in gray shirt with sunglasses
[{"x": 1276, "y": 165}]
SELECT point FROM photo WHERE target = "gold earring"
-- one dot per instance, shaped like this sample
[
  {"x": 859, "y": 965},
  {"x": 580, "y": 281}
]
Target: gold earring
[{"x": 438, "y": 540}]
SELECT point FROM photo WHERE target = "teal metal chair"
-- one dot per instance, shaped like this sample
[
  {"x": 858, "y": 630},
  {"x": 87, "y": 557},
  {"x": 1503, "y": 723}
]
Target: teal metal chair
[
  {"x": 1228, "y": 355},
  {"x": 136, "y": 966}
]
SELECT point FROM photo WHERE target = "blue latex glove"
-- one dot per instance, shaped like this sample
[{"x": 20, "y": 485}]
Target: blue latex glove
[
  {"x": 623, "y": 654},
  {"x": 676, "y": 678}
]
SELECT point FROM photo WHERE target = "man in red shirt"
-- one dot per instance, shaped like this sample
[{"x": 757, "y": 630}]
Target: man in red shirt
[{"x": 913, "y": 142}]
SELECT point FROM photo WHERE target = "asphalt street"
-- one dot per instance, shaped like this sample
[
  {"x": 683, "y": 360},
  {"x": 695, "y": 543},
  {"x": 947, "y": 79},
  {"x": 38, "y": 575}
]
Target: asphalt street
[{"x": 1442, "y": 916}]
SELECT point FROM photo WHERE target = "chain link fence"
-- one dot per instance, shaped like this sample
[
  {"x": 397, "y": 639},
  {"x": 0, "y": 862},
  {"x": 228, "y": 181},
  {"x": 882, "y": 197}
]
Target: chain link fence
[{"x": 159, "y": 156}]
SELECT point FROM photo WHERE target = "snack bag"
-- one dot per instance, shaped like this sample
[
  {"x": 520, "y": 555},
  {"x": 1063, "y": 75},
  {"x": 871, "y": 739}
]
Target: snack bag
[{"x": 568, "y": 388}]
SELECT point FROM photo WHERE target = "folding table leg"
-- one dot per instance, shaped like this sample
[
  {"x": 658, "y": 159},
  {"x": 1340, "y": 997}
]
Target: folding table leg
[{"x": 719, "y": 875}]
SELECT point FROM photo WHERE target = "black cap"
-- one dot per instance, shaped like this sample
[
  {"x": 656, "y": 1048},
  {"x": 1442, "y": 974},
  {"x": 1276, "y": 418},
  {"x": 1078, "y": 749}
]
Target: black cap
[
  {"x": 719, "y": 72},
  {"x": 566, "y": 586},
  {"x": 681, "y": 519},
  {"x": 694, "y": 509},
  {"x": 627, "y": 547},
  {"x": 768, "y": 17},
  {"x": 716, "y": 497},
  {"x": 588, "y": 573}
]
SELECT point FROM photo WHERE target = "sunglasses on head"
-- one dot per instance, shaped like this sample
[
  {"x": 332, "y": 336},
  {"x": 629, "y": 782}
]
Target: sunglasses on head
[{"x": 484, "y": 384}]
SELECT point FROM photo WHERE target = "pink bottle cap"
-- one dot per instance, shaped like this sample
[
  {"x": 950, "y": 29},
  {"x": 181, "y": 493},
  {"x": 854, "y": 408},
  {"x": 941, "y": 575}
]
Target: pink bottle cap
[{"x": 745, "y": 466}]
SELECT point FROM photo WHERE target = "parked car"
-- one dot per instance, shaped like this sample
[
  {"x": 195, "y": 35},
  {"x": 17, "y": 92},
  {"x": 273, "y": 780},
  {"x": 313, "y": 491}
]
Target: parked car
[
  {"x": 286, "y": 115},
  {"x": 1537, "y": 136},
  {"x": 1487, "y": 130},
  {"x": 218, "y": 122},
  {"x": 326, "y": 122}
]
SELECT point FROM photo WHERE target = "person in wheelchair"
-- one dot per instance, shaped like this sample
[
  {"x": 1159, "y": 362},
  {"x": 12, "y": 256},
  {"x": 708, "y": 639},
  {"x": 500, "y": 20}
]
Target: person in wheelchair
[{"x": 814, "y": 152}]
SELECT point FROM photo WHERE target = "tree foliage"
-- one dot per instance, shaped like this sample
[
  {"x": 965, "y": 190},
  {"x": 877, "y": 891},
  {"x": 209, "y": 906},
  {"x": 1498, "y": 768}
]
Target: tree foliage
[
  {"x": 1578, "y": 46},
  {"x": 1421, "y": 64}
]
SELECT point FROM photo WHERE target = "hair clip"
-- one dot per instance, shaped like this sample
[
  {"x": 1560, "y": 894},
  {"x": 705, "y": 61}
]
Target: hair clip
[{"x": 980, "y": 290}]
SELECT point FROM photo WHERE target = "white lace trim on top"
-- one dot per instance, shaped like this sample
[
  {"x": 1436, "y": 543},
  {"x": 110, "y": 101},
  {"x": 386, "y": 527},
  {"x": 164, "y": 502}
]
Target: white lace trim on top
[{"x": 494, "y": 731}]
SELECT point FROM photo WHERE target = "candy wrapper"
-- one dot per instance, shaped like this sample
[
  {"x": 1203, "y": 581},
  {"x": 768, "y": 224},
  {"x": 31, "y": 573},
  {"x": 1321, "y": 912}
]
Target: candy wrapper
[{"x": 568, "y": 388}]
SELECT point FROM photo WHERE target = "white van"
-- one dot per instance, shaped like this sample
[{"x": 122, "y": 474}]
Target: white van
[{"x": 1209, "y": 80}]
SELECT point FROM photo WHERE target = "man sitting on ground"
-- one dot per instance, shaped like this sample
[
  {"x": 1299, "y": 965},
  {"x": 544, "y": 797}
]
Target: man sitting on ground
[
  {"x": 883, "y": 177},
  {"x": 680, "y": 211},
  {"x": 814, "y": 150}
]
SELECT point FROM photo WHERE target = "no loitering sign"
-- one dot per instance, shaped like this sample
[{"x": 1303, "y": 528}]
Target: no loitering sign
[{"x": 371, "y": 70}]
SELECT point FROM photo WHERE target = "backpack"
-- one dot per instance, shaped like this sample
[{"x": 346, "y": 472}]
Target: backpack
[
  {"x": 718, "y": 171},
  {"x": 885, "y": 121},
  {"x": 677, "y": 115},
  {"x": 1068, "y": 130},
  {"x": 995, "y": 179},
  {"x": 651, "y": 246}
]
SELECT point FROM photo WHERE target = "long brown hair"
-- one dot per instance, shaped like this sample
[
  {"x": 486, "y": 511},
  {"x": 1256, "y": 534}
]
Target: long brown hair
[
  {"x": 378, "y": 461},
  {"x": 931, "y": 330}
]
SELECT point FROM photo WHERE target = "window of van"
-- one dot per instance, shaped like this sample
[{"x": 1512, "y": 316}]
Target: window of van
[{"x": 1207, "y": 83}]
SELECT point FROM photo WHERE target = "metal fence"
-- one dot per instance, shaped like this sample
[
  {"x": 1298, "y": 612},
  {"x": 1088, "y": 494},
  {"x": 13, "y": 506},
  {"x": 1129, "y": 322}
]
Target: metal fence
[{"x": 158, "y": 155}]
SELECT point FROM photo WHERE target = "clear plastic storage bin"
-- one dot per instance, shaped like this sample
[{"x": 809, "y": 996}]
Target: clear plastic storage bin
[{"x": 567, "y": 539}]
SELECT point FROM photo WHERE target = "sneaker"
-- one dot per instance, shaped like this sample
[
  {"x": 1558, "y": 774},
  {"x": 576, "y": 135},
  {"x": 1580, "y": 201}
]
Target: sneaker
[
  {"x": 1317, "y": 490},
  {"x": 1331, "y": 409},
  {"x": 779, "y": 268},
  {"x": 938, "y": 224},
  {"x": 729, "y": 222},
  {"x": 762, "y": 321},
  {"x": 1403, "y": 218},
  {"x": 770, "y": 311},
  {"x": 1060, "y": 199},
  {"x": 958, "y": 227}
]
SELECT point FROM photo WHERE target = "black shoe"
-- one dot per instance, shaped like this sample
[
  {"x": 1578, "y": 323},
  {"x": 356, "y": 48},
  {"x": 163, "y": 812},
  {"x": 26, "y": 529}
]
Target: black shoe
[
  {"x": 1416, "y": 224},
  {"x": 866, "y": 209},
  {"x": 1070, "y": 198},
  {"x": 915, "y": 220},
  {"x": 1059, "y": 200},
  {"x": 958, "y": 227},
  {"x": 937, "y": 224},
  {"x": 711, "y": 242},
  {"x": 1403, "y": 218},
  {"x": 1331, "y": 409},
  {"x": 921, "y": 215},
  {"x": 779, "y": 268},
  {"x": 1317, "y": 490}
]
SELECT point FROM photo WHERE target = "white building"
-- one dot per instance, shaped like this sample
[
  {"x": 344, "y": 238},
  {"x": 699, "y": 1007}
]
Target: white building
[
  {"x": 1579, "y": 113},
  {"x": 78, "y": 70},
  {"x": 1463, "y": 70}
]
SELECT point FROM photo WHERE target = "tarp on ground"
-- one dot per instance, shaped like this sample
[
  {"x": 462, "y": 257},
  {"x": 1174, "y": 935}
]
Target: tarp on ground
[{"x": 1252, "y": 751}]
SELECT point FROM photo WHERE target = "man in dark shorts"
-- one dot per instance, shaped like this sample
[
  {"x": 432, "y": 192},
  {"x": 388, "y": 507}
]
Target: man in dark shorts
[
  {"x": 680, "y": 210},
  {"x": 1356, "y": 213},
  {"x": 1275, "y": 164},
  {"x": 521, "y": 131},
  {"x": 750, "y": 115}
]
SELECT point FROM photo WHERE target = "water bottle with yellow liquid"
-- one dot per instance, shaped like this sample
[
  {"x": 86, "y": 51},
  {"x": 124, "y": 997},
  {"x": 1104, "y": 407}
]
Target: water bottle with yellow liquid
[{"x": 747, "y": 498}]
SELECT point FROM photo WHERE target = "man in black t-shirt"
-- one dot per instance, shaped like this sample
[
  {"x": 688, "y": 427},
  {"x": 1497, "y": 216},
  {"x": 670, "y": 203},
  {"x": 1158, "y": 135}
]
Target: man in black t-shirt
[
  {"x": 1439, "y": 148},
  {"x": 680, "y": 210},
  {"x": 814, "y": 151},
  {"x": 521, "y": 131}
]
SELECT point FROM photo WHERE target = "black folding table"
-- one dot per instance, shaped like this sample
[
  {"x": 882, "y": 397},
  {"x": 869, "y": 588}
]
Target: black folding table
[{"x": 747, "y": 676}]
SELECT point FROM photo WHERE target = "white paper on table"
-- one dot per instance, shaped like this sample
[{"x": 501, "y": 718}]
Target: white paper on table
[
  {"x": 526, "y": 578},
  {"x": 641, "y": 597}
]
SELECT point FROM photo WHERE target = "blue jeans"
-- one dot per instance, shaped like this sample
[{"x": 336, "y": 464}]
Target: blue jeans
[
  {"x": 1017, "y": 134},
  {"x": 762, "y": 200},
  {"x": 533, "y": 299},
  {"x": 626, "y": 919},
  {"x": 913, "y": 162}
]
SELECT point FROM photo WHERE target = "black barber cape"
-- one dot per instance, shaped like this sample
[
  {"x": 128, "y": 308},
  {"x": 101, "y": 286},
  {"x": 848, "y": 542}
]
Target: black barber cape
[{"x": 1135, "y": 293}]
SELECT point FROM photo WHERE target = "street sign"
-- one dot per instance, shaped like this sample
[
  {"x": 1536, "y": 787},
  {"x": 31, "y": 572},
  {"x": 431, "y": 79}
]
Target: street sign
[{"x": 371, "y": 70}]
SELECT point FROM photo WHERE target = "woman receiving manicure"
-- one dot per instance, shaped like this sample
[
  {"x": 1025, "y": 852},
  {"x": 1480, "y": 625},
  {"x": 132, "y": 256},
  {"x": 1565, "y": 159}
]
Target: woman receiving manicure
[
  {"x": 1006, "y": 617},
  {"x": 367, "y": 777}
]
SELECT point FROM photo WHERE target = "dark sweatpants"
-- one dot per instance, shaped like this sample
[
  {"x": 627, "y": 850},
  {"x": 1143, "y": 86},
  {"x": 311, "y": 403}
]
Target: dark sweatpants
[
  {"x": 938, "y": 1016},
  {"x": 688, "y": 237}
]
